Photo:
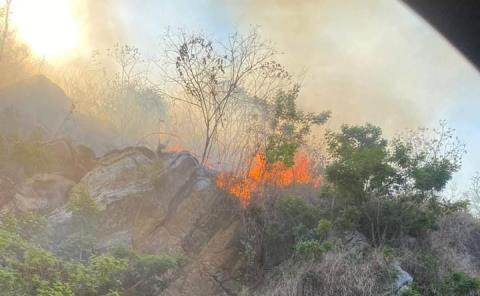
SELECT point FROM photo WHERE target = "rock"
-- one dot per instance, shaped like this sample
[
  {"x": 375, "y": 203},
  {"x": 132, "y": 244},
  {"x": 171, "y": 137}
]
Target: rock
[
  {"x": 356, "y": 243},
  {"x": 402, "y": 280},
  {"x": 118, "y": 238},
  {"x": 42, "y": 193},
  {"x": 38, "y": 102},
  {"x": 118, "y": 176},
  {"x": 167, "y": 204},
  {"x": 70, "y": 161}
]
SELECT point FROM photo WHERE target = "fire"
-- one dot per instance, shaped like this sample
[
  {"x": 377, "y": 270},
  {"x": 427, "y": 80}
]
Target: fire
[
  {"x": 261, "y": 173},
  {"x": 174, "y": 148}
]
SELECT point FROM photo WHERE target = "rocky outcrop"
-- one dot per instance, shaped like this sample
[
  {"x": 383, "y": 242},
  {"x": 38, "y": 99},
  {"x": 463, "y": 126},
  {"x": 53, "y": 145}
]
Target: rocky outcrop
[
  {"x": 168, "y": 203},
  {"x": 37, "y": 102},
  {"x": 41, "y": 193}
]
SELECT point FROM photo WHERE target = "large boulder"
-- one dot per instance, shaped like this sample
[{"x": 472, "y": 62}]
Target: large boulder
[
  {"x": 37, "y": 102},
  {"x": 168, "y": 203},
  {"x": 42, "y": 193}
]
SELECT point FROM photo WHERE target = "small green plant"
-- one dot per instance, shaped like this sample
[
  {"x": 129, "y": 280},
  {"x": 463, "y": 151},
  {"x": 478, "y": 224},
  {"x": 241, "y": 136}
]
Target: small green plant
[
  {"x": 324, "y": 226},
  {"x": 81, "y": 203},
  {"x": 388, "y": 253},
  {"x": 409, "y": 291},
  {"x": 312, "y": 249}
]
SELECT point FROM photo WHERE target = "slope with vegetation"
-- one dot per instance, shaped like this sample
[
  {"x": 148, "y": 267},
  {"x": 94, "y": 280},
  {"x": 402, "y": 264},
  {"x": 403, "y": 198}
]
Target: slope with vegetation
[{"x": 262, "y": 210}]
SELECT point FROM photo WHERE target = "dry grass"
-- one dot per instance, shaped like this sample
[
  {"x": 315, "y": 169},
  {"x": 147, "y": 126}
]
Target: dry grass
[
  {"x": 338, "y": 273},
  {"x": 449, "y": 249}
]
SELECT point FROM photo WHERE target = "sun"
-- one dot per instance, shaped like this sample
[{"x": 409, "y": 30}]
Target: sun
[{"x": 49, "y": 27}]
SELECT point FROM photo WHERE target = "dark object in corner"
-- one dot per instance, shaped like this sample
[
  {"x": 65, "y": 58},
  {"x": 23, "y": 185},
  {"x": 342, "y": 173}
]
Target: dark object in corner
[{"x": 457, "y": 20}]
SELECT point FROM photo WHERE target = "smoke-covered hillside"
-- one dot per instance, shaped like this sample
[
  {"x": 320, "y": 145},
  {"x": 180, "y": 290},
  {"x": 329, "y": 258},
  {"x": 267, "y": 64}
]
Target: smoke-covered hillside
[{"x": 209, "y": 166}]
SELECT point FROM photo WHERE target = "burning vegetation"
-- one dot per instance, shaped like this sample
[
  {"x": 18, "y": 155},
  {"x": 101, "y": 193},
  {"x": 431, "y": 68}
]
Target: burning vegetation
[{"x": 261, "y": 173}]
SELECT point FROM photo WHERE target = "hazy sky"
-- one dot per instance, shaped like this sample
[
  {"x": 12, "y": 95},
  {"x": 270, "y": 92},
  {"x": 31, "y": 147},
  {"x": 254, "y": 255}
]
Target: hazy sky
[
  {"x": 369, "y": 60},
  {"x": 365, "y": 60}
]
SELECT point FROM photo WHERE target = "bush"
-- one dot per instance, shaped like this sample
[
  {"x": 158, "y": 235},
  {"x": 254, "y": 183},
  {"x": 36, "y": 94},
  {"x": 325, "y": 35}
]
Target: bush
[
  {"x": 81, "y": 203},
  {"x": 28, "y": 269},
  {"x": 28, "y": 225},
  {"x": 392, "y": 187},
  {"x": 145, "y": 272},
  {"x": 460, "y": 284},
  {"x": 291, "y": 222},
  {"x": 294, "y": 211},
  {"x": 323, "y": 227},
  {"x": 311, "y": 249}
]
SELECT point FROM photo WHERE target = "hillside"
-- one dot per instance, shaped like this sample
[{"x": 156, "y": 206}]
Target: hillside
[{"x": 38, "y": 103}]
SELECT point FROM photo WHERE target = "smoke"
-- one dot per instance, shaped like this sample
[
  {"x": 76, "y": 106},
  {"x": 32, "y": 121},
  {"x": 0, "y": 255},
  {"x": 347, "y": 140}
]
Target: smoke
[
  {"x": 101, "y": 23},
  {"x": 370, "y": 60}
]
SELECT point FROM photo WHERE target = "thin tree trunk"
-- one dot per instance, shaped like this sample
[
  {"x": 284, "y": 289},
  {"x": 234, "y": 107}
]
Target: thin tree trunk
[{"x": 5, "y": 27}]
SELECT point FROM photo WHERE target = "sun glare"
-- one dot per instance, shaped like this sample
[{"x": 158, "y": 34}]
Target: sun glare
[{"x": 49, "y": 27}]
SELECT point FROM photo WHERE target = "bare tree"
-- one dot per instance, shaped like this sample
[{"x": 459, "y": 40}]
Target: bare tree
[
  {"x": 5, "y": 29},
  {"x": 213, "y": 76}
]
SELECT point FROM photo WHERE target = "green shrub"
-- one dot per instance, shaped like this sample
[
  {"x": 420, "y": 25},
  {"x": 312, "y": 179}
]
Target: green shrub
[
  {"x": 144, "y": 272},
  {"x": 388, "y": 253},
  {"x": 348, "y": 218},
  {"x": 311, "y": 249},
  {"x": 461, "y": 284},
  {"x": 295, "y": 211},
  {"x": 28, "y": 225},
  {"x": 324, "y": 226},
  {"x": 27, "y": 269},
  {"x": 81, "y": 203}
]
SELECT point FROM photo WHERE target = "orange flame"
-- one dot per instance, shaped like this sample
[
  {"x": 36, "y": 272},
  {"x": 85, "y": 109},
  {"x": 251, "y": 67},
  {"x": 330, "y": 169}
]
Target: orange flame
[
  {"x": 262, "y": 173},
  {"x": 174, "y": 148}
]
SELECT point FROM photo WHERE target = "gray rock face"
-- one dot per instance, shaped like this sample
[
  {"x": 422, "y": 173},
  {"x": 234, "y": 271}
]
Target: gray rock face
[
  {"x": 356, "y": 243},
  {"x": 42, "y": 193},
  {"x": 402, "y": 280},
  {"x": 167, "y": 203}
]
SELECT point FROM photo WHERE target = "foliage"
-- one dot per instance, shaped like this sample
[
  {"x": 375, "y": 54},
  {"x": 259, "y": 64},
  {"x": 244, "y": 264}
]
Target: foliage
[
  {"x": 410, "y": 291},
  {"x": 363, "y": 163},
  {"x": 323, "y": 227},
  {"x": 81, "y": 204},
  {"x": 295, "y": 212},
  {"x": 79, "y": 244},
  {"x": 27, "y": 224},
  {"x": 296, "y": 229},
  {"x": 27, "y": 269},
  {"x": 391, "y": 189},
  {"x": 460, "y": 284},
  {"x": 311, "y": 249},
  {"x": 144, "y": 272},
  {"x": 428, "y": 157},
  {"x": 359, "y": 164},
  {"x": 289, "y": 127}
]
